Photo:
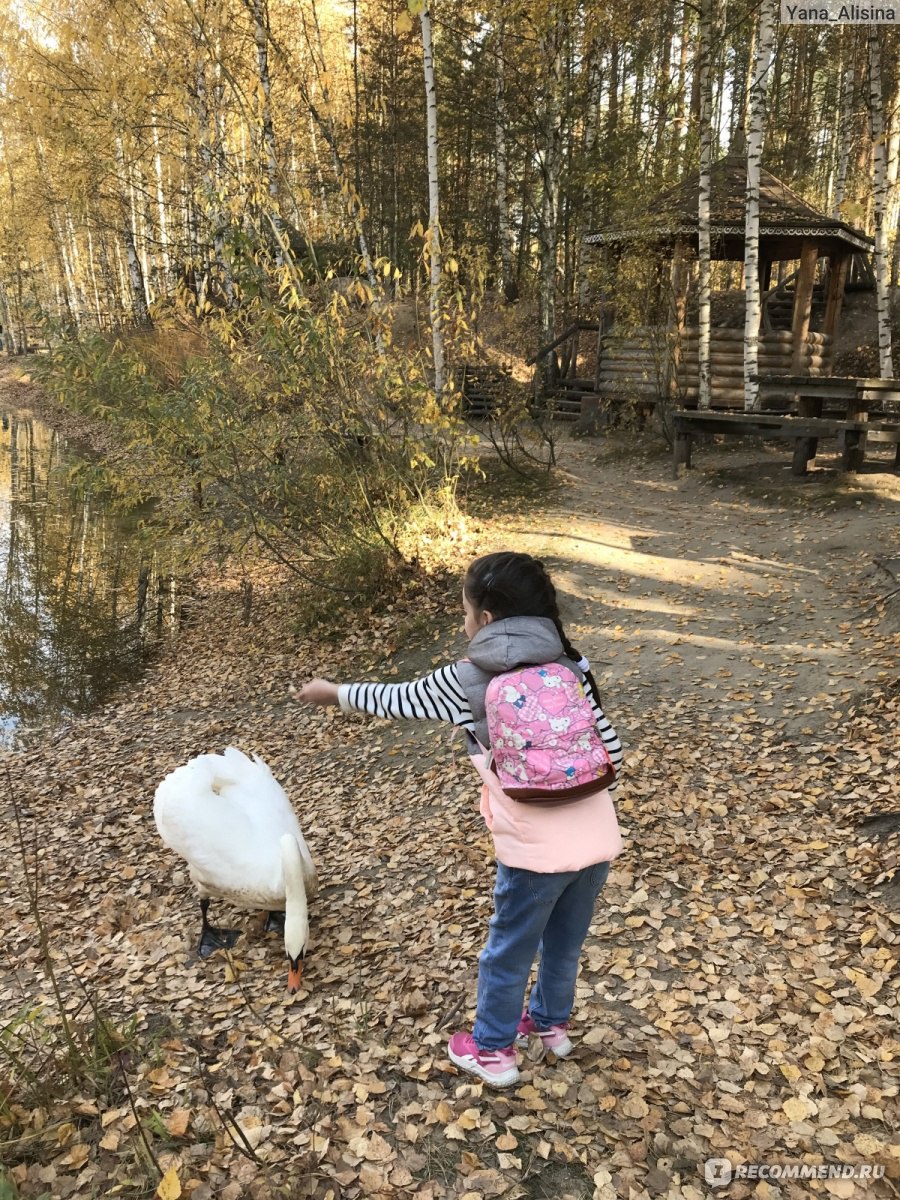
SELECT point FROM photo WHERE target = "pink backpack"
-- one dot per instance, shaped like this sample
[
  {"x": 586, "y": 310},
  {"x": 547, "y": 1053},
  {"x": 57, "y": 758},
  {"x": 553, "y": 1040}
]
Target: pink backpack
[{"x": 544, "y": 739}]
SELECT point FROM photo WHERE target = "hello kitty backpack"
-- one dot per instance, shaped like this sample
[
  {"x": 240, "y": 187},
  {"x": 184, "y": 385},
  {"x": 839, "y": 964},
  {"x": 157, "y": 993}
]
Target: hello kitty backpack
[{"x": 544, "y": 740}]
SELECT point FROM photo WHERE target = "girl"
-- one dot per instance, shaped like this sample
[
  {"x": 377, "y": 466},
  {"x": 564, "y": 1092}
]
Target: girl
[{"x": 552, "y": 860}]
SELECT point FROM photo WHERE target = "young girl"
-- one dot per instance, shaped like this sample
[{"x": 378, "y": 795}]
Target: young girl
[{"x": 552, "y": 860}]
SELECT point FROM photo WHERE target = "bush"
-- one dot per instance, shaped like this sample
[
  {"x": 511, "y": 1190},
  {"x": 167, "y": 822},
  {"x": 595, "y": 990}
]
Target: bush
[{"x": 279, "y": 426}]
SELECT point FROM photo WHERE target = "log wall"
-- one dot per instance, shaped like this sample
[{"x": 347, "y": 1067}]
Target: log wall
[{"x": 639, "y": 364}]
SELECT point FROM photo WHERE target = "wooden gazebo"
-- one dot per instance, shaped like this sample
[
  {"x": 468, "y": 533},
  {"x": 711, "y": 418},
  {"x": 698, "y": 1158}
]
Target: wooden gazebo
[{"x": 800, "y": 311}]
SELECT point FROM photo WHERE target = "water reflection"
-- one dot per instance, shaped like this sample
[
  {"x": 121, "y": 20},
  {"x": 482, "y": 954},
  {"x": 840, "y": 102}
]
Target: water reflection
[{"x": 74, "y": 582}]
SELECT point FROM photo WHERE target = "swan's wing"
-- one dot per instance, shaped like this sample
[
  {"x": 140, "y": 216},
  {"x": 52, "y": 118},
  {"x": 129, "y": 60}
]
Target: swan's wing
[
  {"x": 282, "y": 810},
  {"x": 225, "y": 815}
]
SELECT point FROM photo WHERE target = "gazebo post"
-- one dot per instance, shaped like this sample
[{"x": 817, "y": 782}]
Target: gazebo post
[
  {"x": 805, "y": 448},
  {"x": 809, "y": 255},
  {"x": 607, "y": 316},
  {"x": 680, "y": 279},
  {"x": 838, "y": 269}
]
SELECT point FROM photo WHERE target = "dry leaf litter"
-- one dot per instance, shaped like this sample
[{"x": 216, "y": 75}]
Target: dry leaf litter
[{"x": 738, "y": 996}]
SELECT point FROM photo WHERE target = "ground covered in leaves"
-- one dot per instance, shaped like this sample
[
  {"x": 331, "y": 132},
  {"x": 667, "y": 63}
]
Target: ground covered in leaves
[{"x": 738, "y": 997}]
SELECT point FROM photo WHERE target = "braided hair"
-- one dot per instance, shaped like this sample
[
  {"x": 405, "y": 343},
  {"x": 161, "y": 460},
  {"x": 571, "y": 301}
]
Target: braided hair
[{"x": 511, "y": 584}]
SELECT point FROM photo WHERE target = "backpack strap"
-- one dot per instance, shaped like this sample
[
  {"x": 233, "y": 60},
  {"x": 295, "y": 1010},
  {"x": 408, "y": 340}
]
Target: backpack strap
[{"x": 474, "y": 681}]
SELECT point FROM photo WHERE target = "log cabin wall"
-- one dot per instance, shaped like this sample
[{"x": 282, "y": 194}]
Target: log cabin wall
[{"x": 639, "y": 364}]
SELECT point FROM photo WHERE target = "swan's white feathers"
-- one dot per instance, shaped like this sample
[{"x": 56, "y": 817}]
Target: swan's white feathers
[{"x": 225, "y": 815}]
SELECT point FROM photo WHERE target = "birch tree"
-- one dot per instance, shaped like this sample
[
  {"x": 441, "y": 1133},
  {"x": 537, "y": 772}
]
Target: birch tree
[
  {"x": 846, "y": 126},
  {"x": 269, "y": 158},
  {"x": 433, "y": 241},
  {"x": 550, "y": 154},
  {"x": 879, "y": 148},
  {"x": 752, "y": 309},
  {"x": 706, "y": 140},
  {"x": 508, "y": 281},
  {"x": 136, "y": 285}
]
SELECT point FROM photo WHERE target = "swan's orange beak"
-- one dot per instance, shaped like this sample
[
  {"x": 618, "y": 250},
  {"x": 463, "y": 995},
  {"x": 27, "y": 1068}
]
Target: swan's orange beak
[{"x": 294, "y": 975}]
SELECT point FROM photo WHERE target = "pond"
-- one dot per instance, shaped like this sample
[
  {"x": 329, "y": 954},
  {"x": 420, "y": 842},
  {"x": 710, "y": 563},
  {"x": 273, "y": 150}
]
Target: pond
[{"x": 81, "y": 600}]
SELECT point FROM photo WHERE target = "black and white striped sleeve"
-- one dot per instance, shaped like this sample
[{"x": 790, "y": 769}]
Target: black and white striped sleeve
[
  {"x": 435, "y": 697},
  {"x": 606, "y": 731}
]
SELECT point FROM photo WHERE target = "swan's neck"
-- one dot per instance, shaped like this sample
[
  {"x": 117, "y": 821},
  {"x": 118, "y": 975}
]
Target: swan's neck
[{"x": 296, "y": 911}]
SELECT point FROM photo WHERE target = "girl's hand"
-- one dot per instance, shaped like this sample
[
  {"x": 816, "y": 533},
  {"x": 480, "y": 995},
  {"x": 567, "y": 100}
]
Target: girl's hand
[{"x": 317, "y": 691}]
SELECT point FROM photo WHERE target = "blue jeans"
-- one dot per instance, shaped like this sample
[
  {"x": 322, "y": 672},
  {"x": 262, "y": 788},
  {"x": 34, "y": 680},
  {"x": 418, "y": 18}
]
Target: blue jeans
[{"x": 533, "y": 912}]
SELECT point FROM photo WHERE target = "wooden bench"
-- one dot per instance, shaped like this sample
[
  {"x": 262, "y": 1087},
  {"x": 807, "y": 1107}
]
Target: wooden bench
[{"x": 804, "y": 431}]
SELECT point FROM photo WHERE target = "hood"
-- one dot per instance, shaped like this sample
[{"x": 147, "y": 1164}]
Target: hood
[{"x": 515, "y": 642}]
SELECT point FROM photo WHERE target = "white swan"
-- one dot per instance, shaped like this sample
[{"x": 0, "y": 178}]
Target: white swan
[{"x": 229, "y": 818}]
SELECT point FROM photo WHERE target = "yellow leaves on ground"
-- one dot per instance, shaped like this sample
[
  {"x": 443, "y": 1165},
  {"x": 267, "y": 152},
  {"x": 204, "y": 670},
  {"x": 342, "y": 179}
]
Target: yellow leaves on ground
[
  {"x": 169, "y": 1186},
  {"x": 736, "y": 995}
]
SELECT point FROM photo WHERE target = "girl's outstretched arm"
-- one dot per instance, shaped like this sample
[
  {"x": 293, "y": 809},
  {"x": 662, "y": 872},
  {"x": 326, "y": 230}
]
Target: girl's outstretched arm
[{"x": 435, "y": 697}]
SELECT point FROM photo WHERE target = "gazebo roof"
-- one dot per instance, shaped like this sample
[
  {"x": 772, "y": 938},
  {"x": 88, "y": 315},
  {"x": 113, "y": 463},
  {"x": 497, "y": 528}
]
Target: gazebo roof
[{"x": 785, "y": 219}]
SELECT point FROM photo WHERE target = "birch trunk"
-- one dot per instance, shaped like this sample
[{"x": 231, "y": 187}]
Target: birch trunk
[
  {"x": 706, "y": 149},
  {"x": 587, "y": 206},
  {"x": 270, "y": 161},
  {"x": 78, "y": 276},
  {"x": 550, "y": 163},
  {"x": 762, "y": 63},
  {"x": 846, "y": 128},
  {"x": 434, "y": 208},
  {"x": 6, "y": 335},
  {"x": 209, "y": 182},
  {"x": 67, "y": 298},
  {"x": 136, "y": 287},
  {"x": 92, "y": 267},
  {"x": 879, "y": 149},
  {"x": 161, "y": 210},
  {"x": 507, "y": 272},
  {"x": 679, "y": 124}
]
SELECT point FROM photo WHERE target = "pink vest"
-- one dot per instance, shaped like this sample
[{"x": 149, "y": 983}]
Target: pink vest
[{"x": 548, "y": 838}]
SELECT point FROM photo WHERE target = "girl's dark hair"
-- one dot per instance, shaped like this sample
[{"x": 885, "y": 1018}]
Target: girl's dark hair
[{"x": 510, "y": 584}]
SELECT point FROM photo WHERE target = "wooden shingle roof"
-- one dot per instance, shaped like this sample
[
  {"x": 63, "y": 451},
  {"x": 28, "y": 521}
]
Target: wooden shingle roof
[{"x": 785, "y": 219}]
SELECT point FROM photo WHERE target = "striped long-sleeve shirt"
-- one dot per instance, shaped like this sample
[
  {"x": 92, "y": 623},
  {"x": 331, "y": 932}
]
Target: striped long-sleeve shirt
[{"x": 440, "y": 697}]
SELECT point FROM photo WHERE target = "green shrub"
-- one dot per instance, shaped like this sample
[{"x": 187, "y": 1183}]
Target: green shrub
[{"x": 279, "y": 426}]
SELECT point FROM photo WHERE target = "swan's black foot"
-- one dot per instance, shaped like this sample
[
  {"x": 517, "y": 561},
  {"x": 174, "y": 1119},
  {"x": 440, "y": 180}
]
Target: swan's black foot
[
  {"x": 212, "y": 938},
  {"x": 275, "y": 923}
]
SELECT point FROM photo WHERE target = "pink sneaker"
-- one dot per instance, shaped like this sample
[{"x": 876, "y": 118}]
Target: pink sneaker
[
  {"x": 555, "y": 1038},
  {"x": 496, "y": 1067}
]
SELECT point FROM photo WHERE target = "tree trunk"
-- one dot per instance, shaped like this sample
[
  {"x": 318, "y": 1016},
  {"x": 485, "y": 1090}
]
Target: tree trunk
[
  {"x": 751, "y": 236},
  {"x": 208, "y": 165},
  {"x": 679, "y": 125},
  {"x": 706, "y": 148},
  {"x": 161, "y": 211},
  {"x": 6, "y": 333},
  {"x": 509, "y": 285},
  {"x": 433, "y": 245},
  {"x": 846, "y": 128},
  {"x": 137, "y": 290},
  {"x": 550, "y": 161},
  {"x": 68, "y": 299},
  {"x": 586, "y": 205},
  {"x": 880, "y": 198},
  {"x": 264, "y": 112}
]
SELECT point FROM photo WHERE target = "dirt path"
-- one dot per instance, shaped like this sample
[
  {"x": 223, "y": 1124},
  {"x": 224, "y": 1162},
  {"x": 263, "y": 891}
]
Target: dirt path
[{"x": 738, "y": 998}]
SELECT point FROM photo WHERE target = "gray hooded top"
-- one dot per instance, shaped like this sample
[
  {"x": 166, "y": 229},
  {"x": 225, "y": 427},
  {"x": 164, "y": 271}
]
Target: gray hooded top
[{"x": 503, "y": 646}]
